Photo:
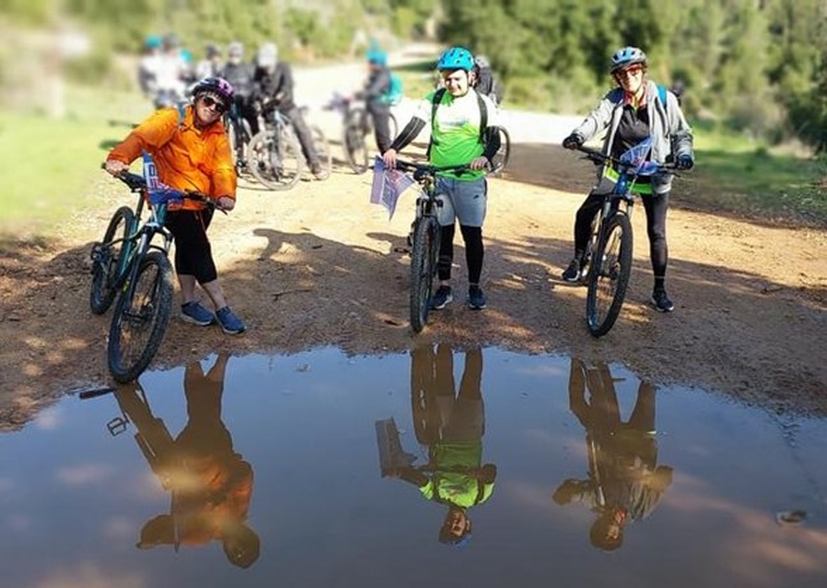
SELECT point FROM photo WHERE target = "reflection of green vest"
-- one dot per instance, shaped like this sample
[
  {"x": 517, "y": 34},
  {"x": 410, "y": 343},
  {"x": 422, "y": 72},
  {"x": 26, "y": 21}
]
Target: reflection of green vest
[{"x": 451, "y": 487}]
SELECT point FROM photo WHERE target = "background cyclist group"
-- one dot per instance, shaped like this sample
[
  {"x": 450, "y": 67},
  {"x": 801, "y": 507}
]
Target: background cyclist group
[{"x": 194, "y": 153}]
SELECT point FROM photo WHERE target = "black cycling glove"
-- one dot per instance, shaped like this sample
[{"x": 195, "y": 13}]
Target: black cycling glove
[
  {"x": 573, "y": 141},
  {"x": 684, "y": 161}
]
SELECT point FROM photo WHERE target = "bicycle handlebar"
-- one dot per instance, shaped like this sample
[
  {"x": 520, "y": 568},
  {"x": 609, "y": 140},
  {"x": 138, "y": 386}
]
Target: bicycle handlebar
[
  {"x": 137, "y": 183},
  {"x": 599, "y": 158},
  {"x": 421, "y": 170}
]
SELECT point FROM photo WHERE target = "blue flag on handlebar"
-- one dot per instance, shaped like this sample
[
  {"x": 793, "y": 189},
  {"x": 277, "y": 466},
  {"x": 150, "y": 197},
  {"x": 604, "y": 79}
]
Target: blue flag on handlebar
[
  {"x": 637, "y": 157},
  {"x": 158, "y": 192}
]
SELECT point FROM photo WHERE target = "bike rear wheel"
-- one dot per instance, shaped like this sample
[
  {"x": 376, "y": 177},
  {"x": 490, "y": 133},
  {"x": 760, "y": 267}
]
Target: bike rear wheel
[
  {"x": 322, "y": 146},
  {"x": 141, "y": 318},
  {"x": 276, "y": 159},
  {"x": 424, "y": 253},
  {"x": 500, "y": 159},
  {"x": 107, "y": 258},
  {"x": 356, "y": 150},
  {"x": 393, "y": 126},
  {"x": 611, "y": 266}
]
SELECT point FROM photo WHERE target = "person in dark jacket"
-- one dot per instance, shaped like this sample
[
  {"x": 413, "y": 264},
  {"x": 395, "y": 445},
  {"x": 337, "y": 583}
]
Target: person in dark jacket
[
  {"x": 240, "y": 74},
  {"x": 374, "y": 94},
  {"x": 273, "y": 84},
  {"x": 628, "y": 114}
]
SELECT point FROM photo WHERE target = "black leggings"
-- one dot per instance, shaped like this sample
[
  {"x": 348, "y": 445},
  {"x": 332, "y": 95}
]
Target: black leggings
[
  {"x": 655, "y": 206},
  {"x": 193, "y": 253},
  {"x": 474, "y": 252}
]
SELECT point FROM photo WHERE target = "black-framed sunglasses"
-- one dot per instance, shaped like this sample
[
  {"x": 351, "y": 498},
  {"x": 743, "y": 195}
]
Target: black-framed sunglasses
[{"x": 211, "y": 102}]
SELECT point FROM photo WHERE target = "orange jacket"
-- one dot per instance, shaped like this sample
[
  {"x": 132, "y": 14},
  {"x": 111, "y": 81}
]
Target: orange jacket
[{"x": 187, "y": 158}]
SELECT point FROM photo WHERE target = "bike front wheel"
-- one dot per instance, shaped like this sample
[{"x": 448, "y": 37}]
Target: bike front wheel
[
  {"x": 424, "y": 254},
  {"x": 141, "y": 318},
  {"x": 611, "y": 266},
  {"x": 276, "y": 159},
  {"x": 107, "y": 258}
]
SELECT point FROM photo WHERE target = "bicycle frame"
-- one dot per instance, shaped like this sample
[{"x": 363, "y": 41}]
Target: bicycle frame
[{"x": 139, "y": 241}]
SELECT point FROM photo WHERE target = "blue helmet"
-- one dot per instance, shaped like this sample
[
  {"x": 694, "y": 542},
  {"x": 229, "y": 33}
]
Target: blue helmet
[
  {"x": 627, "y": 56},
  {"x": 153, "y": 42},
  {"x": 377, "y": 56},
  {"x": 456, "y": 58}
]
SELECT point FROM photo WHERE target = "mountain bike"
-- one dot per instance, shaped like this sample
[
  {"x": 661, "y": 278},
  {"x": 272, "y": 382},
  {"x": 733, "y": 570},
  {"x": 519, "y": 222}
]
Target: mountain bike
[
  {"x": 274, "y": 155},
  {"x": 425, "y": 238},
  {"x": 356, "y": 126},
  {"x": 128, "y": 265},
  {"x": 609, "y": 252}
]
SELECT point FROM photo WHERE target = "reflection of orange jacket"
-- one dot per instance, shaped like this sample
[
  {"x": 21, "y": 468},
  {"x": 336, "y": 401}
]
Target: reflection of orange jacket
[
  {"x": 187, "y": 158},
  {"x": 224, "y": 496}
]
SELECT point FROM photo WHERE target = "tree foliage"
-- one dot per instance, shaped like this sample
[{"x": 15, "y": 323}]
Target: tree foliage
[{"x": 756, "y": 65}]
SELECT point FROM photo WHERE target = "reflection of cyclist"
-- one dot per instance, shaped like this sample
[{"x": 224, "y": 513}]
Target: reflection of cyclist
[
  {"x": 625, "y": 483},
  {"x": 191, "y": 152},
  {"x": 631, "y": 112},
  {"x": 211, "y": 484},
  {"x": 273, "y": 80},
  {"x": 456, "y": 139},
  {"x": 452, "y": 426}
]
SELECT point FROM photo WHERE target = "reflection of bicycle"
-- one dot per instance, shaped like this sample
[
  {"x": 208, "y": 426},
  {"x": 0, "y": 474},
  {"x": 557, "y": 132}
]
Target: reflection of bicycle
[
  {"x": 357, "y": 126},
  {"x": 128, "y": 264},
  {"x": 609, "y": 252},
  {"x": 624, "y": 482},
  {"x": 450, "y": 425}
]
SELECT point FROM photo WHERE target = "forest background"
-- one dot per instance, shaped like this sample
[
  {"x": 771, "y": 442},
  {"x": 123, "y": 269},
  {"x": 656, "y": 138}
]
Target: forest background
[{"x": 755, "y": 71}]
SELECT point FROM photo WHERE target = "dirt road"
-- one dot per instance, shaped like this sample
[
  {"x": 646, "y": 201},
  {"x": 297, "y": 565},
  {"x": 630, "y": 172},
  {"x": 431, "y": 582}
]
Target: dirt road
[{"x": 320, "y": 266}]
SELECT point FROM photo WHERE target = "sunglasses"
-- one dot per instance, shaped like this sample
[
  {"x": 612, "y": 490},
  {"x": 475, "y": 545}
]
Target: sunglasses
[
  {"x": 629, "y": 72},
  {"x": 211, "y": 102}
]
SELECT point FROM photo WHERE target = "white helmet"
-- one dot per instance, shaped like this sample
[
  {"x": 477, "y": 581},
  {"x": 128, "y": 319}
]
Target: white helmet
[{"x": 267, "y": 56}]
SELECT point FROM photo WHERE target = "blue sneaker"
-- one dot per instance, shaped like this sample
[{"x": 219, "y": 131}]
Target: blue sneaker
[
  {"x": 229, "y": 322},
  {"x": 193, "y": 312},
  {"x": 441, "y": 298},
  {"x": 476, "y": 299}
]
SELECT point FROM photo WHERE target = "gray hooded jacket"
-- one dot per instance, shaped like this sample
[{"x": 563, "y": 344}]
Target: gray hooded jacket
[{"x": 668, "y": 128}]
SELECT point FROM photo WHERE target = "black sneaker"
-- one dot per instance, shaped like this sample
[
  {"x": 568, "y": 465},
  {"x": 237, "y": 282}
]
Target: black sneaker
[
  {"x": 661, "y": 301},
  {"x": 476, "y": 299},
  {"x": 573, "y": 273},
  {"x": 441, "y": 298}
]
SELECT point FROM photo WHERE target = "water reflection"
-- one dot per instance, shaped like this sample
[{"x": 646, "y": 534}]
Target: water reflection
[
  {"x": 624, "y": 482},
  {"x": 450, "y": 425},
  {"x": 210, "y": 485}
]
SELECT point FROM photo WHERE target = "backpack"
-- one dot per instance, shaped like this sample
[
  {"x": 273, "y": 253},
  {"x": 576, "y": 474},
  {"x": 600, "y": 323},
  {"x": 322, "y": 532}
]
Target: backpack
[{"x": 393, "y": 95}]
